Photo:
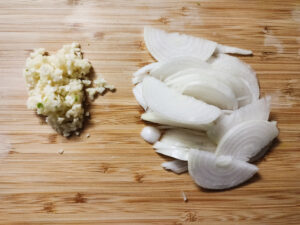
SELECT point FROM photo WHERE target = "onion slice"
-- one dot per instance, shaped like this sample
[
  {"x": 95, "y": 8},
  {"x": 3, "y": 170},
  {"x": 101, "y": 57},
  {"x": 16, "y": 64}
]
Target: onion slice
[
  {"x": 138, "y": 94},
  {"x": 176, "y": 107},
  {"x": 163, "y": 45},
  {"x": 236, "y": 67},
  {"x": 139, "y": 75},
  {"x": 257, "y": 110},
  {"x": 247, "y": 139},
  {"x": 176, "y": 166},
  {"x": 232, "y": 50},
  {"x": 217, "y": 173}
]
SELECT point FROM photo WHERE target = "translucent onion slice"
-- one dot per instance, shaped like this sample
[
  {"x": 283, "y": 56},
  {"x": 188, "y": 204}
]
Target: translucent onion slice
[
  {"x": 139, "y": 75},
  {"x": 171, "y": 66},
  {"x": 257, "y": 110},
  {"x": 247, "y": 139},
  {"x": 217, "y": 173},
  {"x": 236, "y": 67},
  {"x": 176, "y": 107},
  {"x": 177, "y": 143},
  {"x": 155, "y": 118},
  {"x": 206, "y": 88},
  {"x": 163, "y": 45},
  {"x": 232, "y": 50},
  {"x": 176, "y": 166},
  {"x": 240, "y": 88},
  {"x": 138, "y": 94}
]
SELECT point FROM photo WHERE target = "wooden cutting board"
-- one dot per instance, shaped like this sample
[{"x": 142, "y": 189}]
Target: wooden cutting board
[{"x": 114, "y": 177}]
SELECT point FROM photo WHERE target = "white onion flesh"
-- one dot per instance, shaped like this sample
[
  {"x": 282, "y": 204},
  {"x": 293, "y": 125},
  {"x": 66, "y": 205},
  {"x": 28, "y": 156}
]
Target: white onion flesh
[
  {"x": 138, "y": 94},
  {"x": 232, "y": 50},
  {"x": 257, "y": 110},
  {"x": 217, "y": 173},
  {"x": 176, "y": 107},
  {"x": 247, "y": 139},
  {"x": 150, "y": 134},
  {"x": 176, "y": 166},
  {"x": 163, "y": 45},
  {"x": 155, "y": 118},
  {"x": 236, "y": 67},
  {"x": 139, "y": 75}
]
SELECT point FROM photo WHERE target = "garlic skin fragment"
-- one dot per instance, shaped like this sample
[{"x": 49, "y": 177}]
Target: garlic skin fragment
[
  {"x": 247, "y": 139},
  {"x": 216, "y": 173},
  {"x": 150, "y": 134}
]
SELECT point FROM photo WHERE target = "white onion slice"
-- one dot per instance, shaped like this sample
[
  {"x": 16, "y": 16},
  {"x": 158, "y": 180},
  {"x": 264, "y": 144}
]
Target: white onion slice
[
  {"x": 232, "y": 50},
  {"x": 207, "y": 89},
  {"x": 176, "y": 107},
  {"x": 237, "y": 85},
  {"x": 163, "y": 45},
  {"x": 176, "y": 166},
  {"x": 257, "y": 110},
  {"x": 139, "y": 75},
  {"x": 236, "y": 67},
  {"x": 138, "y": 94},
  {"x": 247, "y": 139},
  {"x": 155, "y": 118},
  {"x": 217, "y": 173},
  {"x": 150, "y": 134}
]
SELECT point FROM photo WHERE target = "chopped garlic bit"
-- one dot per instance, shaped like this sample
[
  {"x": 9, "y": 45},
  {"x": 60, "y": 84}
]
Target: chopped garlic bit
[
  {"x": 99, "y": 87},
  {"x": 88, "y": 135},
  {"x": 61, "y": 151}
]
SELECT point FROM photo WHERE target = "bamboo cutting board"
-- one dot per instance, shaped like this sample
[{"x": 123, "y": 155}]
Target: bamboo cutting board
[{"x": 114, "y": 177}]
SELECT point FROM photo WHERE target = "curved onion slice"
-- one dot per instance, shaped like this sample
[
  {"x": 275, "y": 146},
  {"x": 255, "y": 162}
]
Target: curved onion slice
[
  {"x": 217, "y": 173},
  {"x": 155, "y": 118},
  {"x": 139, "y": 75},
  {"x": 163, "y": 45},
  {"x": 176, "y": 166},
  {"x": 207, "y": 89},
  {"x": 257, "y": 110},
  {"x": 138, "y": 94},
  {"x": 177, "y": 143},
  {"x": 247, "y": 139},
  {"x": 236, "y": 67},
  {"x": 176, "y": 107},
  {"x": 167, "y": 68},
  {"x": 232, "y": 50},
  {"x": 238, "y": 86}
]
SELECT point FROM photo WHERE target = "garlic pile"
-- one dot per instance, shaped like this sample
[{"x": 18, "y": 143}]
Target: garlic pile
[{"x": 209, "y": 103}]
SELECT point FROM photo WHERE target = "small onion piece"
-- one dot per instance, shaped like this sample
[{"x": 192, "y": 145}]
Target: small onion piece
[
  {"x": 218, "y": 173},
  {"x": 176, "y": 107},
  {"x": 176, "y": 166},
  {"x": 139, "y": 75},
  {"x": 163, "y": 45},
  {"x": 150, "y": 134},
  {"x": 247, "y": 139},
  {"x": 257, "y": 110},
  {"x": 138, "y": 94},
  {"x": 232, "y": 50}
]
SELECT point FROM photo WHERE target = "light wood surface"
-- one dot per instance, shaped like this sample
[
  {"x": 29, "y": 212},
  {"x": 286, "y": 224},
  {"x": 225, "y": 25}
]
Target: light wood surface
[{"x": 114, "y": 177}]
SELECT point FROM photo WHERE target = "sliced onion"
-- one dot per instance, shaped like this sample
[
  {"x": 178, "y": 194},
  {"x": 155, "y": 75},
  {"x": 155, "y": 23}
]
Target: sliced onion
[
  {"x": 217, "y": 173},
  {"x": 207, "y": 89},
  {"x": 247, "y": 139},
  {"x": 257, "y": 110},
  {"x": 155, "y": 118},
  {"x": 236, "y": 67},
  {"x": 163, "y": 45},
  {"x": 139, "y": 75},
  {"x": 138, "y": 94},
  {"x": 150, "y": 134},
  {"x": 176, "y": 107},
  {"x": 176, "y": 166},
  {"x": 232, "y": 50}
]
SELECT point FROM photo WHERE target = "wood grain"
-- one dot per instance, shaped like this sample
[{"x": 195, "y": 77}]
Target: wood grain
[{"x": 114, "y": 177}]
